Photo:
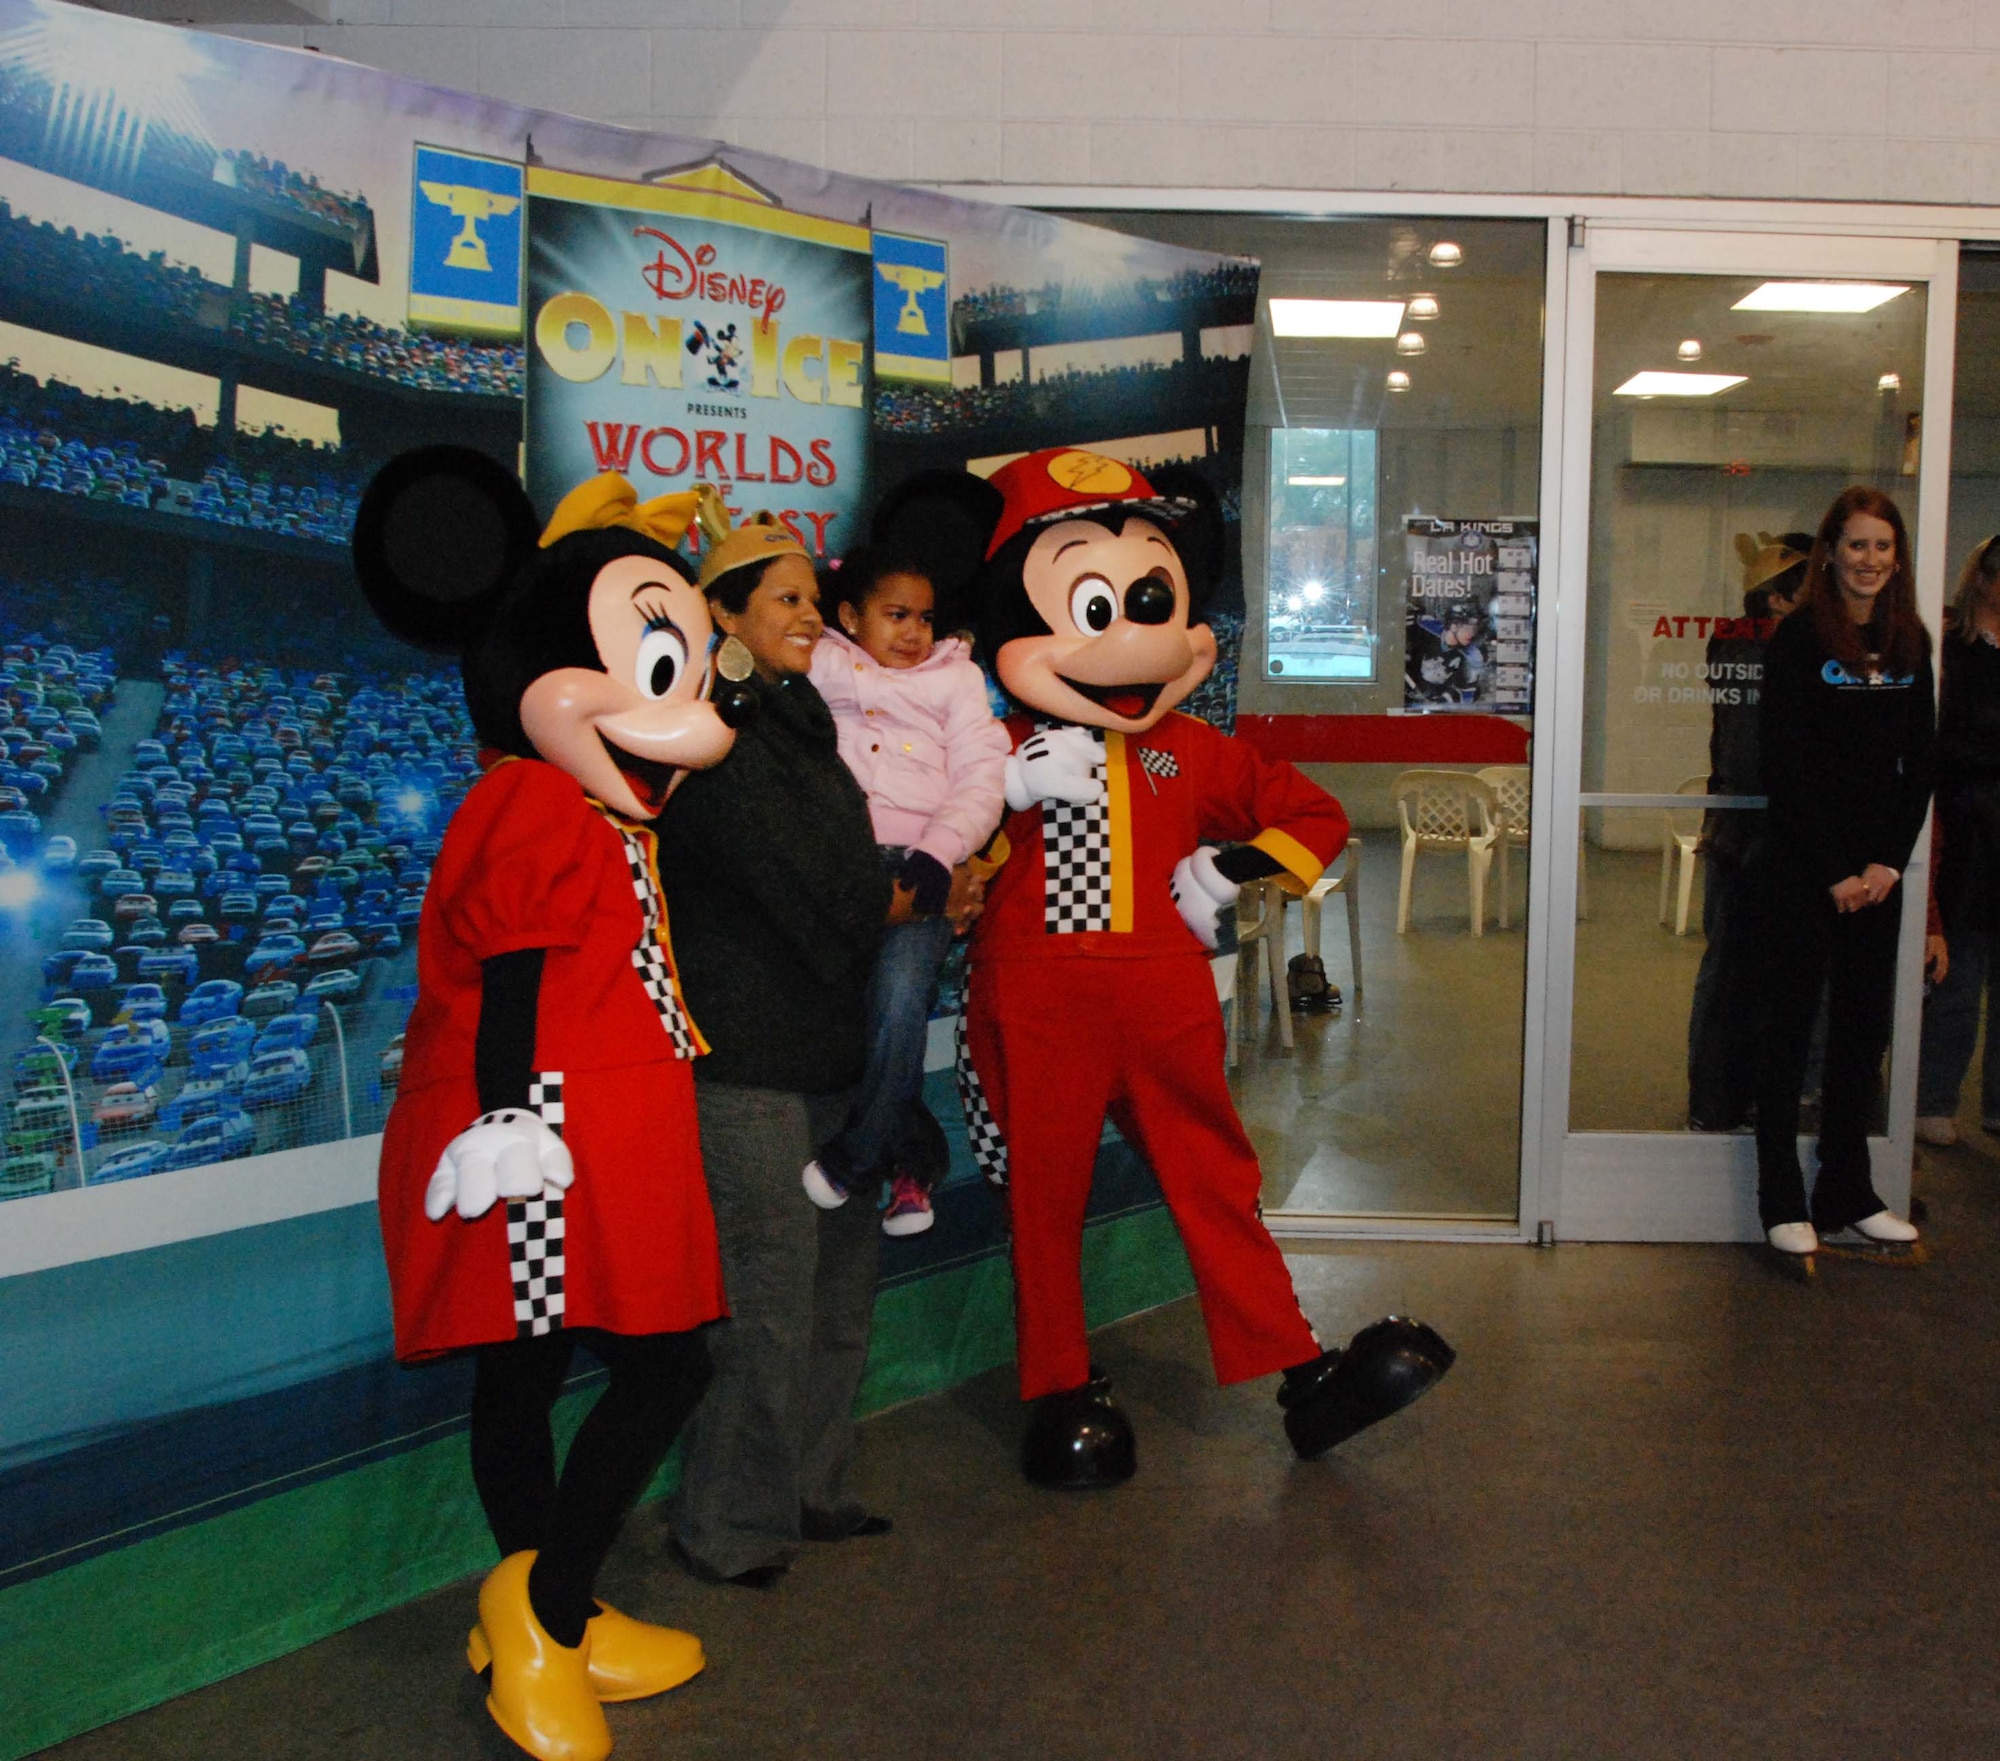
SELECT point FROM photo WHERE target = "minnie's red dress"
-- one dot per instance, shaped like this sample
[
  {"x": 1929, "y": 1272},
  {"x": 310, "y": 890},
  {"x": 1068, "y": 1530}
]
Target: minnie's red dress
[{"x": 529, "y": 861}]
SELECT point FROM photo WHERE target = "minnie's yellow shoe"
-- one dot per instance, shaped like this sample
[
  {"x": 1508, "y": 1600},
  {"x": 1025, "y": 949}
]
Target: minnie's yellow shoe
[
  {"x": 629, "y": 1659},
  {"x": 540, "y": 1693}
]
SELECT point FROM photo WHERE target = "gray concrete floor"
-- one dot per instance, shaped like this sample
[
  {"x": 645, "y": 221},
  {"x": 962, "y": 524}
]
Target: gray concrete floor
[
  {"x": 1413, "y": 1106},
  {"x": 1670, "y": 1504}
]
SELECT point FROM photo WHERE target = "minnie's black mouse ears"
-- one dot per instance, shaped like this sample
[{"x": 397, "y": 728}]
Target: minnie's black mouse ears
[
  {"x": 440, "y": 533},
  {"x": 941, "y": 520}
]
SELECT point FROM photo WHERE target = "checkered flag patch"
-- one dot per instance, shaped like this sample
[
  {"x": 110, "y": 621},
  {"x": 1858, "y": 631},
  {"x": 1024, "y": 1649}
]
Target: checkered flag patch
[
  {"x": 1158, "y": 763},
  {"x": 989, "y": 1148},
  {"x": 649, "y": 958},
  {"x": 1076, "y": 863},
  {"x": 535, "y": 1230}
]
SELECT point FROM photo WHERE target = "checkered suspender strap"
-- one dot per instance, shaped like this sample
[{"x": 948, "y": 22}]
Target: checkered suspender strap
[
  {"x": 535, "y": 1229},
  {"x": 649, "y": 958},
  {"x": 1076, "y": 859},
  {"x": 982, "y": 1130}
]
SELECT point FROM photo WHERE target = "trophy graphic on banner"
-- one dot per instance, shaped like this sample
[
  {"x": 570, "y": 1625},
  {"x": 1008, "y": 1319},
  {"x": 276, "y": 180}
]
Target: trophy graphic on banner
[
  {"x": 913, "y": 283},
  {"x": 470, "y": 206}
]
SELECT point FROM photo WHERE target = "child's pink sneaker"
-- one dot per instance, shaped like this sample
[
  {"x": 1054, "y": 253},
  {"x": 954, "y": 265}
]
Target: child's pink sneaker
[{"x": 909, "y": 1211}]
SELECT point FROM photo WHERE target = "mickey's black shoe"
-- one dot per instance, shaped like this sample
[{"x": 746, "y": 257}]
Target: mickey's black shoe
[
  {"x": 1079, "y": 1439},
  {"x": 1339, "y": 1393}
]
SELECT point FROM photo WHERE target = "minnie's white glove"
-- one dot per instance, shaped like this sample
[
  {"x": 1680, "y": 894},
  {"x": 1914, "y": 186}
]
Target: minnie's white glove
[
  {"x": 1055, "y": 765},
  {"x": 1200, "y": 891},
  {"x": 508, "y": 1154}
]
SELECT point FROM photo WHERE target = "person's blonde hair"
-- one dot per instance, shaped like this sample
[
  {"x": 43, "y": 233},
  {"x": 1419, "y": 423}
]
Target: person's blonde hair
[{"x": 1975, "y": 583}]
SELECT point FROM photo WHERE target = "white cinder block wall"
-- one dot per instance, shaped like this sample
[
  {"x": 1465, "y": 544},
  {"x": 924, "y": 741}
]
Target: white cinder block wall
[{"x": 1894, "y": 100}]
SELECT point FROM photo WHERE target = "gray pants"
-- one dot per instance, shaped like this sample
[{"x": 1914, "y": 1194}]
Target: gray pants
[{"x": 775, "y": 1432}]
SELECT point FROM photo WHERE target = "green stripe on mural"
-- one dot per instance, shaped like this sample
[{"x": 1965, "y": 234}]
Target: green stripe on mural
[{"x": 205, "y": 1601}]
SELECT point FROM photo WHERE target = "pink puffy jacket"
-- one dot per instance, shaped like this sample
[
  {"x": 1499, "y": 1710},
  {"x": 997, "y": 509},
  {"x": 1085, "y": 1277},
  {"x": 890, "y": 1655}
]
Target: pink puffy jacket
[{"x": 921, "y": 741}]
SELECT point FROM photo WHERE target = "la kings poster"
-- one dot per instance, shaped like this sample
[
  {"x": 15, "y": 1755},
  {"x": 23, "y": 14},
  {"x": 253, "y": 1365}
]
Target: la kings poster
[{"x": 1469, "y": 625}]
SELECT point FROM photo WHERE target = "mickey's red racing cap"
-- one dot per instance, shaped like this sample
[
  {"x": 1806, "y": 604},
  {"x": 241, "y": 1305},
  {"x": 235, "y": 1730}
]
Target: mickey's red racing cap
[{"x": 1063, "y": 481}]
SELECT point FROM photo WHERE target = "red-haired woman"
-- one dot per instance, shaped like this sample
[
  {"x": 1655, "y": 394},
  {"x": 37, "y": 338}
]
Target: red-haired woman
[{"x": 1849, "y": 727}]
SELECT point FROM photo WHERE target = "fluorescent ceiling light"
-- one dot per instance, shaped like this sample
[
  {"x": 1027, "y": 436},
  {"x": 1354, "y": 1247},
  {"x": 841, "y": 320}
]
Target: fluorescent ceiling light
[
  {"x": 1336, "y": 317},
  {"x": 1678, "y": 384},
  {"x": 1315, "y": 482},
  {"x": 1820, "y": 296}
]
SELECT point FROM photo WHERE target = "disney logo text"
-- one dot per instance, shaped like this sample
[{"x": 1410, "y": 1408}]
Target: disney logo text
[{"x": 686, "y": 275}]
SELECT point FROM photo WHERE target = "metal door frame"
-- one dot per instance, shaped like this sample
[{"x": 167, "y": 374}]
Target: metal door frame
[{"x": 1665, "y": 1186}]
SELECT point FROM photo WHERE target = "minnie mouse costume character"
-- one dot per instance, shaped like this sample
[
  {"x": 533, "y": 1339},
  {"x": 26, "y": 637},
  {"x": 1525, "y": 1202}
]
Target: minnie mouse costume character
[
  {"x": 541, "y": 1181},
  {"x": 1089, "y": 991}
]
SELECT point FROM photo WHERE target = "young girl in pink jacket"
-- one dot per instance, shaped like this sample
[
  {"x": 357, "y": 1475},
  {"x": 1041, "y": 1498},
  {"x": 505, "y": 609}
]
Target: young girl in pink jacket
[{"x": 916, "y": 730}]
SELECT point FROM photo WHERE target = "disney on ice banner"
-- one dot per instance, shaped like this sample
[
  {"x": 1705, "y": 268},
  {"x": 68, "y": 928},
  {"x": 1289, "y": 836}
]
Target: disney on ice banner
[
  {"x": 688, "y": 330},
  {"x": 1469, "y": 621}
]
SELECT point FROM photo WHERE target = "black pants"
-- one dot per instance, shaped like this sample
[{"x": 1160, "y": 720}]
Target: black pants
[
  {"x": 656, "y": 1380},
  {"x": 1722, "y": 1066},
  {"x": 1804, "y": 944}
]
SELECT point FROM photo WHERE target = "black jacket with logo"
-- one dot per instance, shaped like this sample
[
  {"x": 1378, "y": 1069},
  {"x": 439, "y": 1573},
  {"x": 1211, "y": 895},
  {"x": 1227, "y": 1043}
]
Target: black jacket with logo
[{"x": 1849, "y": 757}]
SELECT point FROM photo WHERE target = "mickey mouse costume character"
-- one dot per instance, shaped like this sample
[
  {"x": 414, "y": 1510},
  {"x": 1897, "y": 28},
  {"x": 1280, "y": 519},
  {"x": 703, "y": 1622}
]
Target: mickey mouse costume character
[
  {"x": 1089, "y": 991},
  {"x": 541, "y": 1180}
]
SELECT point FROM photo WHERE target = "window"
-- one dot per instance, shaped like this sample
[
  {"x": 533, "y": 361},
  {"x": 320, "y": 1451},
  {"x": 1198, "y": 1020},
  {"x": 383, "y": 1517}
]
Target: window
[{"x": 1320, "y": 558}]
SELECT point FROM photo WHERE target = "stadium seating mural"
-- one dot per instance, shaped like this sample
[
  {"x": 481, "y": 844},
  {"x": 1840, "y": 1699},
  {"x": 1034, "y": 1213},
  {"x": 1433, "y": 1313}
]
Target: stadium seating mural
[
  {"x": 222, "y": 791},
  {"x": 216, "y": 839},
  {"x": 233, "y": 950},
  {"x": 96, "y": 269}
]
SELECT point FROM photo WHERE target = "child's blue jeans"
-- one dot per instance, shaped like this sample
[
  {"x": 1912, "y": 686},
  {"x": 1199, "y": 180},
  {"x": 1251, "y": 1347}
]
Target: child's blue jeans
[{"x": 899, "y": 1008}]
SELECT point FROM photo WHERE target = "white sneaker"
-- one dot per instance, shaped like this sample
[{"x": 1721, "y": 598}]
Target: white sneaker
[
  {"x": 822, "y": 1188},
  {"x": 1798, "y": 1238},
  {"x": 1885, "y": 1226},
  {"x": 1940, "y": 1130}
]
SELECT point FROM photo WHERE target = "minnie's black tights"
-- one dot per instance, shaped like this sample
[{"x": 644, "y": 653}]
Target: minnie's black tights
[{"x": 656, "y": 1380}]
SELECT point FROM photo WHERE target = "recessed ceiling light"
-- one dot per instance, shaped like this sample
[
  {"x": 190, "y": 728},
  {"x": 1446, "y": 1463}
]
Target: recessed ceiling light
[
  {"x": 1315, "y": 482},
  {"x": 1447, "y": 255},
  {"x": 1820, "y": 296},
  {"x": 1411, "y": 342},
  {"x": 1423, "y": 305},
  {"x": 1689, "y": 350},
  {"x": 1336, "y": 317},
  {"x": 1678, "y": 384},
  {"x": 1889, "y": 382},
  {"x": 1398, "y": 380}
]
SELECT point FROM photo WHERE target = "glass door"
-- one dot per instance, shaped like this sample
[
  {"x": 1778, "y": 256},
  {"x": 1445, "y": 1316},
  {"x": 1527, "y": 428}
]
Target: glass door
[{"x": 1720, "y": 390}]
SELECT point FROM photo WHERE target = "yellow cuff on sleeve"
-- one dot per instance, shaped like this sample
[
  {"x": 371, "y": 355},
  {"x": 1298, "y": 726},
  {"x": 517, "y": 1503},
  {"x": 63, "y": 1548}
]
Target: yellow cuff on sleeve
[
  {"x": 989, "y": 862},
  {"x": 1302, "y": 868}
]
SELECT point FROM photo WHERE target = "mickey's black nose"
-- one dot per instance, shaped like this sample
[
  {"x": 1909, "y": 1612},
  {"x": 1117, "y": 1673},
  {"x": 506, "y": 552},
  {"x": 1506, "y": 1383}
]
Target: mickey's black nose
[{"x": 1149, "y": 601}]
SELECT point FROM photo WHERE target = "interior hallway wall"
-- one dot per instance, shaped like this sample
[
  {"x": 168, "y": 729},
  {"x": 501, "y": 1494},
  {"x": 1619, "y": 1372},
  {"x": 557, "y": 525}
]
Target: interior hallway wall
[{"x": 1826, "y": 99}]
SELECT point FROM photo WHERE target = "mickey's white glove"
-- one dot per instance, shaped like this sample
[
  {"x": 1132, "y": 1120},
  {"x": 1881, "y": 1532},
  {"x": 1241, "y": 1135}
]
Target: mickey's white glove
[
  {"x": 508, "y": 1154},
  {"x": 1200, "y": 891},
  {"x": 1055, "y": 765}
]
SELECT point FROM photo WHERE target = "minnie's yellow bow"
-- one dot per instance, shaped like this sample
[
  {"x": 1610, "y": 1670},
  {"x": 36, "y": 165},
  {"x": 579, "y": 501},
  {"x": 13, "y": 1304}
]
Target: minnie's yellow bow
[{"x": 610, "y": 501}]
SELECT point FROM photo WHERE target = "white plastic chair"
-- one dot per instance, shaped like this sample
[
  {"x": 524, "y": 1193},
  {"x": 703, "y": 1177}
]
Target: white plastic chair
[
  {"x": 1513, "y": 785},
  {"x": 1260, "y": 931},
  {"x": 1680, "y": 838},
  {"x": 1447, "y": 810},
  {"x": 1347, "y": 883}
]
